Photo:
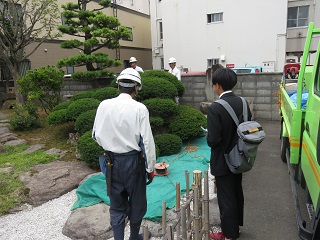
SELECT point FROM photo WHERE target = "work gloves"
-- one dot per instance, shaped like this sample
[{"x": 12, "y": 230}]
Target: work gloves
[{"x": 150, "y": 177}]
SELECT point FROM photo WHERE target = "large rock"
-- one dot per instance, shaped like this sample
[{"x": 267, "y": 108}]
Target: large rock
[
  {"x": 48, "y": 181},
  {"x": 90, "y": 223}
]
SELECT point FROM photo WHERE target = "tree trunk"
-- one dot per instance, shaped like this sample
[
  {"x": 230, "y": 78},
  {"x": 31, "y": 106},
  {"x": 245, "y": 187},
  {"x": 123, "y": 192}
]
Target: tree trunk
[{"x": 15, "y": 75}]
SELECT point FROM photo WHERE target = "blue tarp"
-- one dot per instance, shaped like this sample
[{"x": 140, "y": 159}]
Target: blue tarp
[
  {"x": 305, "y": 94},
  {"x": 193, "y": 156}
]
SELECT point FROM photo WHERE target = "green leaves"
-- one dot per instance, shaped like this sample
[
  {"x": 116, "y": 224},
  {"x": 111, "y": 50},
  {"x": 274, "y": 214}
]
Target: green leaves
[
  {"x": 43, "y": 84},
  {"x": 97, "y": 30}
]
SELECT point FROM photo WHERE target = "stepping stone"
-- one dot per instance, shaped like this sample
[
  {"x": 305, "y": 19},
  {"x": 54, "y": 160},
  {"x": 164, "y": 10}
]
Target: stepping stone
[
  {"x": 34, "y": 148},
  {"x": 15, "y": 142}
]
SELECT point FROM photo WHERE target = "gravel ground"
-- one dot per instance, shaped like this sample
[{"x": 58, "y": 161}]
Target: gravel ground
[
  {"x": 42, "y": 222},
  {"x": 46, "y": 221}
]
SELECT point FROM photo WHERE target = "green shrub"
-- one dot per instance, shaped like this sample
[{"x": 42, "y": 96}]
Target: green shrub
[
  {"x": 157, "y": 151},
  {"x": 105, "y": 93},
  {"x": 80, "y": 95},
  {"x": 23, "y": 122},
  {"x": 156, "y": 121},
  {"x": 57, "y": 117},
  {"x": 165, "y": 108},
  {"x": 187, "y": 124},
  {"x": 89, "y": 149},
  {"x": 163, "y": 75},
  {"x": 85, "y": 121},
  {"x": 24, "y": 118},
  {"x": 63, "y": 105},
  {"x": 43, "y": 85},
  {"x": 168, "y": 144},
  {"x": 156, "y": 88},
  {"x": 80, "y": 106}
]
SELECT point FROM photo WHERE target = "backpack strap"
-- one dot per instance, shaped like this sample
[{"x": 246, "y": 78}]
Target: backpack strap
[
  {"x": 229, "y": 109},
  {"x": 231, "y": 112},
  {"x": 245, "y": 109}
]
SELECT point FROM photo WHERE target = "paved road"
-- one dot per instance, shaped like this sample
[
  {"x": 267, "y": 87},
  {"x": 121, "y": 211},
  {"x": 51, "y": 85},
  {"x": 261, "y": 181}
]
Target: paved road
[{"x": 269, "y": 209}]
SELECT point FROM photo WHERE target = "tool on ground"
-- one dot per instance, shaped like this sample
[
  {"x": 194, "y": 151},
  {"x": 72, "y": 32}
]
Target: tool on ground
[{"x": 161, "y": 169}]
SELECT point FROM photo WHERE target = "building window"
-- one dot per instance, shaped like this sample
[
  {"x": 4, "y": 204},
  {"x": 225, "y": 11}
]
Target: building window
[
  {"x": 160, "y": 30},
  {"x": 131, "y": 36},
  {"x": 298, "y": 16},
  {"x": 212, "y": 61},
  {"x": 214, "y": 17},
  {"x": 162, "y": 63},
  {"x": 70, "y": 69}
]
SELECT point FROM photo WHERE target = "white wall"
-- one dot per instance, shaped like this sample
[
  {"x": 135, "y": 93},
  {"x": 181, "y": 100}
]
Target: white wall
[
  {"x": 136, "y": 5},
  {"x": 250, "y": 34}
]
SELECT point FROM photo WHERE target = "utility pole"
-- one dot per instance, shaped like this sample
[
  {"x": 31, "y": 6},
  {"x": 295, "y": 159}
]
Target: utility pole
[{"x": 115, "y": 14}]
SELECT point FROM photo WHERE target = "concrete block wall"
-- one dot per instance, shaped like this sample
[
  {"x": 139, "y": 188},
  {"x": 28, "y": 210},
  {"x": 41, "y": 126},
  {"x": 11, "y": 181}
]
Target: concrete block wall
[
  {"x": 72, "y": 87},
  {"x": 259, "y": 88}
]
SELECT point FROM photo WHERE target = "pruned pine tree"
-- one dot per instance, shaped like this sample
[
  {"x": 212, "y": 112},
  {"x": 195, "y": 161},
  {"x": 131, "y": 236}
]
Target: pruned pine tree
[
  {"x": 22, "y": 23},
  {"x": 97, "y": 31}
]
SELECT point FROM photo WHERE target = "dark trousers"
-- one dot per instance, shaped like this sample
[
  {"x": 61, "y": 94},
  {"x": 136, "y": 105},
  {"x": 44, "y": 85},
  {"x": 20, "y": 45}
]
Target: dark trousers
[
  {"x": 231, "y": 203},
  {"x": 128, "y": 194}
]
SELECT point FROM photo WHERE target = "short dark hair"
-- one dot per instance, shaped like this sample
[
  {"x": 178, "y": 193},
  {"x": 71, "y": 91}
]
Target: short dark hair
[
  {"x": 127, "y": 90},
  {"x": 225, "y": 77}
]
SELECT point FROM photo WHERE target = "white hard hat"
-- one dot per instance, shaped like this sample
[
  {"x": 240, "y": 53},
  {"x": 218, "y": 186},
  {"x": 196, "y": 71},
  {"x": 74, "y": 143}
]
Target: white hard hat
[
  {"x": 172, "y": 60},
  {"x": 129, "y": 74},
  {"x": 132, "y": 59}
]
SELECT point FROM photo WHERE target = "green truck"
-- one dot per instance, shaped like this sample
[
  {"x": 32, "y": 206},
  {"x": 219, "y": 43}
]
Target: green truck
[{"x": 300, "y": 138}]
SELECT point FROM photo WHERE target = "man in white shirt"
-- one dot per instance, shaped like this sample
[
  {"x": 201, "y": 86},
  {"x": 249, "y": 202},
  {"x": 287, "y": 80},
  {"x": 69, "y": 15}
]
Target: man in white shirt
[
  {"x": 173, "y": 69},
  {"x": 123, "y": 130},
  {"x": 175, "y": 72},
  {"x": 133, "y": 64}
]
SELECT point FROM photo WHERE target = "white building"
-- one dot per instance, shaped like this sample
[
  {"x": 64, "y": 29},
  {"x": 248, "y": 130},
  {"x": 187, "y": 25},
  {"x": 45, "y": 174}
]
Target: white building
[{"x": 232, "y": 33}]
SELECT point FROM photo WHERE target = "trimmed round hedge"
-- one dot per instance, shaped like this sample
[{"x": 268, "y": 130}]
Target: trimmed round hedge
[
  {"x": 89, "y": 149},
  {"x": 105, "y": 93},
  {"x": 157, "y": 151},
  {"x": 85, "y": 121},
  {"x": 80, "y": 106},
  {"x": 63, "y": 105},
  {"x": 156, "y": 88},
  {"x": 165, "y": 108},
  {"x": 163, "y": 75},
  {"x": 57, "y": 117},
  {"x": 187, "y": 124},
  {"x": 168, "y": 144},
  {"x": 156, "y": 121}
]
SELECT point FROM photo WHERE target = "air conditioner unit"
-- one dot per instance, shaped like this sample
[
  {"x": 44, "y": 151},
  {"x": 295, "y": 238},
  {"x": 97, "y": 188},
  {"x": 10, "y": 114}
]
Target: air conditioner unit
[{"x": 223, "y": 58}]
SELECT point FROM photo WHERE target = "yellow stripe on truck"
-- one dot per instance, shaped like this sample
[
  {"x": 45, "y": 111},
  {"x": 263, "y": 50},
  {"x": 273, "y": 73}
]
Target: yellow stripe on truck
[{"x": 315, "y": 170}]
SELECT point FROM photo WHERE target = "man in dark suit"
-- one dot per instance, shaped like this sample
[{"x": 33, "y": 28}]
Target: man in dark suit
[{"x": 221, "y": 137}]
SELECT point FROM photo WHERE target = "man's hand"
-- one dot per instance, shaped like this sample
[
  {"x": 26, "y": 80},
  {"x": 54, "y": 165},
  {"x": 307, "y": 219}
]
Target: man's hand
[{"x": 150, "y": 177}]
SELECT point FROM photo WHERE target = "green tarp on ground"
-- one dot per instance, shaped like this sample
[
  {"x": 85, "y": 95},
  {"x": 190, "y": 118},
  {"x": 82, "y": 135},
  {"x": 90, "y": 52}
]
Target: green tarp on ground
[{"x": 194, "y": 156}]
